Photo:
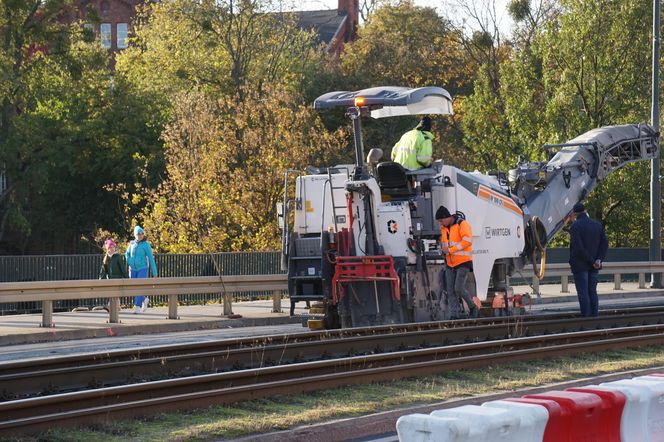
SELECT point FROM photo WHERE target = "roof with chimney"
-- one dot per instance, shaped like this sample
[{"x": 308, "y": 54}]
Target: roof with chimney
[{"x": 326, "y": 23}]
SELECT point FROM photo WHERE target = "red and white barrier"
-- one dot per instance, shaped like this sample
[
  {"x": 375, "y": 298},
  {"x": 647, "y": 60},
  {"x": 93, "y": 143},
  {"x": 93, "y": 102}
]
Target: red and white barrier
[{"x": 629, "y": 410}]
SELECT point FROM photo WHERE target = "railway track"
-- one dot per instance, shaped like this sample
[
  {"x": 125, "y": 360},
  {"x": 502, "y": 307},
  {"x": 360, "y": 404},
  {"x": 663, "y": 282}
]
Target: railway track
[
  {"x": 108, "y": 404},
  {"x": 31, "y": 378},
  {"x": 260, "y": 341}
]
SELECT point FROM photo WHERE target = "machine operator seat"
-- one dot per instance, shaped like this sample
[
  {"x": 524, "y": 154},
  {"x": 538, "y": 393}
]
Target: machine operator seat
[{"x": 392, "y": 179}]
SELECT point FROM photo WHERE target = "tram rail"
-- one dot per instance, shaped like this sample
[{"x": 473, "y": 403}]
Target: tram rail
[
  {"x": 43, "y": 377},
  {"x": 111, "y": 403}
]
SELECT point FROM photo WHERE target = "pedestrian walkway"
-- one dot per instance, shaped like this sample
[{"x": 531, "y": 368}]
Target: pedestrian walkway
[
  {"x": 606, "y": 290},
  {"x": 22, "y": 329}
]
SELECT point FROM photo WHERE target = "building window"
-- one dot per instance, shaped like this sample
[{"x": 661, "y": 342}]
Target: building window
[
  {"x": 105, "y": 30},
  {"x": 121, "y": 32},
  {"x": 104, "y": 8}
]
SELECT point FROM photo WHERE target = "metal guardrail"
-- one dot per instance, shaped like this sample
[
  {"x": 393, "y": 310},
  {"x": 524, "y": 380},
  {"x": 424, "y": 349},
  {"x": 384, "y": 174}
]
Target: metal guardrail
[
  {"x": 617, "y": 269},
  {"x": 79, "y": 267},
  {"x": 114, "y": 289},
  {"x": 28, "y": 268}
]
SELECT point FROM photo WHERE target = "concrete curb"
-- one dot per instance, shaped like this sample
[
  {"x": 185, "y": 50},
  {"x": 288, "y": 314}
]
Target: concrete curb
[
  {"x": 602, "y": 297},
  {"x": 110, "y": 330}
]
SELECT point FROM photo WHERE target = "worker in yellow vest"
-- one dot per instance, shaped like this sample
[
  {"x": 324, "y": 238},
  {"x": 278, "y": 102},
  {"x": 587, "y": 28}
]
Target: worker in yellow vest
[
  {"x": 413, "y": 151},
  {"x": 456, "y": 243}
]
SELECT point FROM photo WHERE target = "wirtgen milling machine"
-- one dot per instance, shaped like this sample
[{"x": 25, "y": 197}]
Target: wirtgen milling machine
[{"x": 362, "y": 239}]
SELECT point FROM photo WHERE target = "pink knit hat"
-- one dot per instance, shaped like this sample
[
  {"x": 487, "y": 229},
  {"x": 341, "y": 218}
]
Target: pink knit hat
[{"x": 109, "y": 243}]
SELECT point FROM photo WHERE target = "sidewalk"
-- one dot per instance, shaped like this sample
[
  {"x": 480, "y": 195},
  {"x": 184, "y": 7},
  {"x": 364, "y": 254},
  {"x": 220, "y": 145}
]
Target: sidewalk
[
  {"x": 551, "y": 293},
  {"x": 22, "y": 329}
]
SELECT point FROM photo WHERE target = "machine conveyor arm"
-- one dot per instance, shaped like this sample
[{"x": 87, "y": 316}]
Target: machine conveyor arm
[{"x": 549, "y": 191}]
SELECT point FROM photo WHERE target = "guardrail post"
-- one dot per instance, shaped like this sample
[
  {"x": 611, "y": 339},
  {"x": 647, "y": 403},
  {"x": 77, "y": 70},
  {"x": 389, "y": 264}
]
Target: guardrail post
[
  {"x": 276, "y": 301},
  {"x": 114, "y": 310},
  {"x": 228, "y": 308},
  {"x": 47, "y": 313},
  {"x": 642, "y": 280},
  {"x": 564, "y": 282},
  {"x": 617, "y": 282},
  {"x": 173, "y": 307}
]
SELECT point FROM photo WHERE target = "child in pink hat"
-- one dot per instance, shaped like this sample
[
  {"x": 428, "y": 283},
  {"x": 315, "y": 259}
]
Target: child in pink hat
[{"x": 113, "y": 266}]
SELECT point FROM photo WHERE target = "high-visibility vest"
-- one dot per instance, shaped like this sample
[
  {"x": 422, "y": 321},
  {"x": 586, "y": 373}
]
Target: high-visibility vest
[
  {"x": 413, "y": 151},
  {"x": 457, "y": 240}
]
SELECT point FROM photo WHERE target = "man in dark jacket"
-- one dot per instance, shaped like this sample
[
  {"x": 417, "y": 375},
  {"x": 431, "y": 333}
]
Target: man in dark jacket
[{"x": 587, "y": 250}]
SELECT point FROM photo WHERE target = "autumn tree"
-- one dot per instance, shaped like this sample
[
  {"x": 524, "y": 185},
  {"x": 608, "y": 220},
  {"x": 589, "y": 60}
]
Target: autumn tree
[
  {"x": 226, "y": 82},
  {"x": 580, "y": 70},
  {"x": 221, "y": 48},
  {"x": 225, "y": 169},
  {"x": 407, "y": 45}
]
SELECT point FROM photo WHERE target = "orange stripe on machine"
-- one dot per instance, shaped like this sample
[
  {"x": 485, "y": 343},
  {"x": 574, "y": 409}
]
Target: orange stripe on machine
[{"x": 499, "y": 200}]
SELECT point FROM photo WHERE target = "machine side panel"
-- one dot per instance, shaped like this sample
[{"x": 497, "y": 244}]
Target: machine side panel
[
  {"x": 496, "y": 220},
  {"x": 393, "y": 231},
  {"x": 314, "y": 203},
  {"x": 360, "y": 218}
]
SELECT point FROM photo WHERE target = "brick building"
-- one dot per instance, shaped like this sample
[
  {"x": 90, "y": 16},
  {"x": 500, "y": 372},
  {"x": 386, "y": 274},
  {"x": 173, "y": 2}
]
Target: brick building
[
  {"x": 334, "y": 27},
  {"x": 115, "y": 20}
]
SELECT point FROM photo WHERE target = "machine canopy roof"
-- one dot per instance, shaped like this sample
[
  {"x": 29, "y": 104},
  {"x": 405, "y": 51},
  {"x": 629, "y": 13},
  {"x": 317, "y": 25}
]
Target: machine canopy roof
[{"x": 392, "y": 101}]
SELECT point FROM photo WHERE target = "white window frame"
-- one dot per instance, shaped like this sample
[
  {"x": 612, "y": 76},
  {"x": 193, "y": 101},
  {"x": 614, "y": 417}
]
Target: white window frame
[
  {"x": 106, "y": 37},
  {"x": 121, "y": 30}
]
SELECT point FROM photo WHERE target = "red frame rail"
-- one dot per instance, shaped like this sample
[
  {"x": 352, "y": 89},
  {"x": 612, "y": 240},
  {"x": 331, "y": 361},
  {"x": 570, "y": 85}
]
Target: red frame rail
[{"x": 364, "y": 269}]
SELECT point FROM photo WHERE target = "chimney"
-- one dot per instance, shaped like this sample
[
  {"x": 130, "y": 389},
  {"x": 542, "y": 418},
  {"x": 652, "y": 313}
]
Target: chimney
[{"x": 351, "y": 9}]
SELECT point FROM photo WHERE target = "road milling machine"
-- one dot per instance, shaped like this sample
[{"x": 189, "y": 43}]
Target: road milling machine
[{"x": 362, "y": 240}]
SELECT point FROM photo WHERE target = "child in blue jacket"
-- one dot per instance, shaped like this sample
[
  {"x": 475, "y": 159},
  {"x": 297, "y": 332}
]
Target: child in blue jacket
[{"x": 140, "y": 260}]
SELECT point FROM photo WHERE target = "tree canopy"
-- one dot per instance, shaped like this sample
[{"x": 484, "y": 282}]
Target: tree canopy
[
  {"x": 67, "y": 131},
  {"x": 192, "y": 131},
  {"x": 227, "y": 79}
]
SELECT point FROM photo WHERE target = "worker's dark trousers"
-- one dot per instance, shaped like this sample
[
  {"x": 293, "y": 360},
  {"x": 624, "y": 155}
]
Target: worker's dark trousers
[
  {"x": 586, "y": 290},
  {"x": 455, "y": 281}
]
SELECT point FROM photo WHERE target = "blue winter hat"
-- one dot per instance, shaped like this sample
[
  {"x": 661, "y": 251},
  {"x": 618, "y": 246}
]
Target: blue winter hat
[{"x": 139, "y": 230}]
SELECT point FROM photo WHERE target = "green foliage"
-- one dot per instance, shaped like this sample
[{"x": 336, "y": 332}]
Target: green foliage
[
  {"x": 519, "y": 10},
  {"x": 582, "y": 70},
  {"x": 77, "y": 134},
  {"x": 595, "y": 73},
  {"x": 67, "y": 131}
]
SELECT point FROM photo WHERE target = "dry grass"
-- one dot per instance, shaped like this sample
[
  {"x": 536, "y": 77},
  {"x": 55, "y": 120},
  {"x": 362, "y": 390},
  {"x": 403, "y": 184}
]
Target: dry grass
[{"x": 278, "y": 413}]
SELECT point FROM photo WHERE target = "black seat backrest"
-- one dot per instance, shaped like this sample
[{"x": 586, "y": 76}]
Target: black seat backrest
[{"x": 392, "y": 179}]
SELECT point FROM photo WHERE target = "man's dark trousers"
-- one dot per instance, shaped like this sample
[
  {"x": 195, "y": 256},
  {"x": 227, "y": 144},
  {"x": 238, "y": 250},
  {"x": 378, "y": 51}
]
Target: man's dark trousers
[
  {"x": 587, "y": 248},
  {"x": 586, "y": 289}
]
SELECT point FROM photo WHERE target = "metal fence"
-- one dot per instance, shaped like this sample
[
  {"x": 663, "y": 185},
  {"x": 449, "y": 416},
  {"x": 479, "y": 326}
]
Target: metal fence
[{"x": 74, "y": 267}]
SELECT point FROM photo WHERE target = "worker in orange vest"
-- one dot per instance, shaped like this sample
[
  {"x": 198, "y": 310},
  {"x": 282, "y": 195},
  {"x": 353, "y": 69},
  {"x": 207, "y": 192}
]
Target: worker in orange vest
[{"x": 456, "y": 243}]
